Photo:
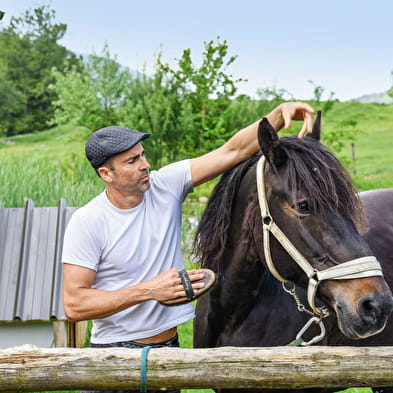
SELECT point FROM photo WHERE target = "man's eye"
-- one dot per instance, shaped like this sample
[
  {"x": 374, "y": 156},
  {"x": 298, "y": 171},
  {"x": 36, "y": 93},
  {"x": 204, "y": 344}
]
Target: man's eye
[{"x": 303, "y": 208}]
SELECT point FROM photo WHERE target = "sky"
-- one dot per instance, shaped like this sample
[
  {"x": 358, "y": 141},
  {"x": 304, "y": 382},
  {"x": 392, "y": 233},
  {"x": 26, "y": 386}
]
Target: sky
[{"x": 345, "y": 46}]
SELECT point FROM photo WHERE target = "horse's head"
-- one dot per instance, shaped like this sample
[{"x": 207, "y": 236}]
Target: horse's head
[{"x": 311, "y": 201}]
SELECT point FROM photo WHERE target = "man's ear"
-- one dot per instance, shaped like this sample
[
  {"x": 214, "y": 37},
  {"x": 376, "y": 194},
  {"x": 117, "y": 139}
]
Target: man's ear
[
  {"x": 270, "y": 145},
  {"x": 104, "y": 173},
  {"x": 317, "y": 127}
]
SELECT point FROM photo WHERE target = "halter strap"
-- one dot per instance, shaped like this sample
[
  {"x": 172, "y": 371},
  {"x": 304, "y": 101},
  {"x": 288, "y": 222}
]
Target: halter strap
[{"x": 356, "y": 268}]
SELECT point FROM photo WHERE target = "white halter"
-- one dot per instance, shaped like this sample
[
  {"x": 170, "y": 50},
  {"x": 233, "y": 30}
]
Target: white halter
[{"x": 357, "y": 268}]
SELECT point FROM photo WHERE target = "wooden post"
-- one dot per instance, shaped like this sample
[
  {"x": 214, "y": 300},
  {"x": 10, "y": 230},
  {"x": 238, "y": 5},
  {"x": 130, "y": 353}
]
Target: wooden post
[
  {"x": 353, "y": 158},
  {"x": 59, "y": 334},
  {"x": 27, "y": 369},
  {"x": 76, "y": 334}
]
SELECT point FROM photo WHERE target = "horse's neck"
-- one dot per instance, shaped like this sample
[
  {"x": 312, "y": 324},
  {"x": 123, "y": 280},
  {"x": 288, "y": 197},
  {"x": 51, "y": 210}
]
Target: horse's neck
[{"x": 242, "y": 267}]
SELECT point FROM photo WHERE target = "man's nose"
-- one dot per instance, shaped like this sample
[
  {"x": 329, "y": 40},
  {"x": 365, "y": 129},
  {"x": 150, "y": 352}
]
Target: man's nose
[{"x": 144, "y": 163}]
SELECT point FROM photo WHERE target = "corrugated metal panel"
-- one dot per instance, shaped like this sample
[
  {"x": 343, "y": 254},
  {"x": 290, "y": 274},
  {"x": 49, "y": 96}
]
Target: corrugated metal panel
[{"x": 31, "y": 241}]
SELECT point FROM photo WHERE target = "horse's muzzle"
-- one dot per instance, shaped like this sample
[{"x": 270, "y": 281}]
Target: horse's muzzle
[
  {"x": 374, "y": 310},
  {"x": 372, "y": 314}
]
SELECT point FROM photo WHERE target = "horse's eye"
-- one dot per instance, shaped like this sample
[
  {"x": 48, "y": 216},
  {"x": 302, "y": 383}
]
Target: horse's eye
[{"x": 303, "y": 207}]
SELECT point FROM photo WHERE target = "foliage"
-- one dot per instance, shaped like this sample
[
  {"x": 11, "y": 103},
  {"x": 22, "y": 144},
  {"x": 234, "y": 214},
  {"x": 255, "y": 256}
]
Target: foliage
[
  {"x": 149, "y": 107},
  {"x": 205, "y": 94},
  {"x": 29, "y": 49},
  {"x": 11, "y": 101},
  {"x": 77, "y": 101},
  {"x": 243, "y": 110},
  {"x": 90, "y": 94}
]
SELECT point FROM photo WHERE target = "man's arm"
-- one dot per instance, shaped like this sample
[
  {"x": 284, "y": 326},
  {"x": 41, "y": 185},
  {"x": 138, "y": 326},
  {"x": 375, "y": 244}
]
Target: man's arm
[
  {"x": 81, "y": 302},
  {"x": 244, "y": 143}
]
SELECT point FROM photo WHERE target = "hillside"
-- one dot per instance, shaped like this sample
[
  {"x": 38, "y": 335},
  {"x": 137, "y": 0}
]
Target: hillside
[
  {"x": 373, "y": 146},
  {"x": 49, "y": 165},
  {"x": 375, "y": 98}
]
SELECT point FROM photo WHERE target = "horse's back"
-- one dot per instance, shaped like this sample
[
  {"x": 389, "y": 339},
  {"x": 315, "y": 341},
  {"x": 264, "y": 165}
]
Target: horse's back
[{"x": 378, "y": 232}]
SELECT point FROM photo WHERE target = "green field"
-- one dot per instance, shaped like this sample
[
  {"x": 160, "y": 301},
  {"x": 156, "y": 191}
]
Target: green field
[{"x": 50, "y": 165}]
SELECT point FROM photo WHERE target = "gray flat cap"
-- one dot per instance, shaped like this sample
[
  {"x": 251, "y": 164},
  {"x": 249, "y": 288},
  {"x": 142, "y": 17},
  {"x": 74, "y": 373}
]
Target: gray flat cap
[{"x": 109, "y": 141}]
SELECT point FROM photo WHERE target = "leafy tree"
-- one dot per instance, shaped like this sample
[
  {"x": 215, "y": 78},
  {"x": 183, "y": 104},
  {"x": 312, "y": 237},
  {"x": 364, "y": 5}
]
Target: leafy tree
[
  {"x": 11, "y": 101},
  {"x": 205, "y": 94},
  {"x": 147, "y": 108},
  {"x": 90, "y": 94},
  {"x": 29, "y": 49},
  {"x": 77, "y": 101}
]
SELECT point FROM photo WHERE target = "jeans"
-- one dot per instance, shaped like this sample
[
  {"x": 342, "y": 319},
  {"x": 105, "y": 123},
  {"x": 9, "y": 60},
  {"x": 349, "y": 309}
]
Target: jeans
[{"x": 172, "y": 342}]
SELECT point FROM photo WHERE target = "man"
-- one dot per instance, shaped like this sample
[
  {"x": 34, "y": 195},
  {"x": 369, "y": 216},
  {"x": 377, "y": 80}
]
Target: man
[{"x": 122, "y": 251}]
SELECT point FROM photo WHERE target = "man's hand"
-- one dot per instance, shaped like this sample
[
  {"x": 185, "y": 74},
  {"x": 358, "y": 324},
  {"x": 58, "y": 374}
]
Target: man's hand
[
  {"x": 168, "y": 285},
  {"x": 283, "y": 115}
]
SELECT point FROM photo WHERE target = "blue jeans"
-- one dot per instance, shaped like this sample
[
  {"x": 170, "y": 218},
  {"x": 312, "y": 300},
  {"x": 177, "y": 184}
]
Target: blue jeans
[{"x": 172, "y": 342}]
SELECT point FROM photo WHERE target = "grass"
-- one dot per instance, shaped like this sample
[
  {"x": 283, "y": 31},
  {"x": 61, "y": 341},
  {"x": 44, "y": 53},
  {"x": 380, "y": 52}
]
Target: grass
[
  {"x": 50, "y": 165},
  {"x": 372, "y": 166}
]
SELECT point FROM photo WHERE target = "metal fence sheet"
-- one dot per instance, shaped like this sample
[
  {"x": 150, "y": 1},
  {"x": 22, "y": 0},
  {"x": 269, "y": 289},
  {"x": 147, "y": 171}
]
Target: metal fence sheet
[{"x": 31, "y": 240}]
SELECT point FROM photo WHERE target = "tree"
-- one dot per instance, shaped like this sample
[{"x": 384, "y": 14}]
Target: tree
[
  {"x": 29, "y": 49},
  {"x": 11, "y": 101},
  {"x": 77, "y": 101},
  {"x": 90, "y": 94},
  {"x": 204, "y": 93}
]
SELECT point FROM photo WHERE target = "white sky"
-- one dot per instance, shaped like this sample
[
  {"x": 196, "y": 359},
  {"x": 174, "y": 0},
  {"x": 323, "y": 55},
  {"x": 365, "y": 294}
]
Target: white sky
[{"x": 345, "y": 46}]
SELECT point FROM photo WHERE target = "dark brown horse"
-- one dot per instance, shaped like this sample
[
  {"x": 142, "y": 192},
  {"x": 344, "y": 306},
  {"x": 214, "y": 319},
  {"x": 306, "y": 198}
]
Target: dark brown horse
[{"x": 312, "y": 199}]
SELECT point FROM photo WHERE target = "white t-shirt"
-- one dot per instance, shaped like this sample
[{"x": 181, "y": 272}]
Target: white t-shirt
[{"x": 126, "y": 247}]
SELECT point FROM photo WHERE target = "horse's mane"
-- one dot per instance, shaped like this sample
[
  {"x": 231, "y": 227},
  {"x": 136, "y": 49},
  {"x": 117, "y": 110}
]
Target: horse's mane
[
  {"x": 212, "y": 232},
  {"x": 313, "y": 170}
]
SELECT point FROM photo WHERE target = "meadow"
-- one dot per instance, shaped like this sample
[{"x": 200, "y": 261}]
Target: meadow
[{"x": 49, "y": 165}]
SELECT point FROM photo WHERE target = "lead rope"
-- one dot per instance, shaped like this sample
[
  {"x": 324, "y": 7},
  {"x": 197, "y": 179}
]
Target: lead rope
[{"x": 145, "y": 352}]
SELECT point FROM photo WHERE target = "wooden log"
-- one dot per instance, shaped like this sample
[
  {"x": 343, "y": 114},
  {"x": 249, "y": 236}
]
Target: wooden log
[{"x": 27, "y": 369}]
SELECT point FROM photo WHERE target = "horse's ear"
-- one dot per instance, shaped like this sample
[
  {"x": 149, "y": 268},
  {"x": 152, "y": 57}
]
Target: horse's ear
[
  {"x": 269, "y": 144},
  {"x": 316, "y": 128}
]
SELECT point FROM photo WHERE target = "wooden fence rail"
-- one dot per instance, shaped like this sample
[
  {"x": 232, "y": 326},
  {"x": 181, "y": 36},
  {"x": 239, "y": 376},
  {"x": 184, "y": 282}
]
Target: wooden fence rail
[{"x": 28, "y": 369}]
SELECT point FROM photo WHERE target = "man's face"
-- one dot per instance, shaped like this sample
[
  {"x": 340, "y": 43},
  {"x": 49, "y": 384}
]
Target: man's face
[{"x": 129, "y": 171}]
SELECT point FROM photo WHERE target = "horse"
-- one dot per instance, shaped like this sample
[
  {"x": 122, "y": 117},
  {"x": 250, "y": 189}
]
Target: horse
[{"x": 311, "y": 200}]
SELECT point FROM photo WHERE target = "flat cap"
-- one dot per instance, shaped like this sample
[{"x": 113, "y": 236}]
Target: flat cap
[{"x": 109, "y": 141}]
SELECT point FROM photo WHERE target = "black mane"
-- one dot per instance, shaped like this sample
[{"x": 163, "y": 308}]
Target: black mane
[{"x": 313, "y": 170}]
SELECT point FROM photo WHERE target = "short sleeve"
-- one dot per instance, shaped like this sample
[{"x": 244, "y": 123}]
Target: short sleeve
[
  {"x": 176, "y": 178},
  {"x": 81, "y": 246}
]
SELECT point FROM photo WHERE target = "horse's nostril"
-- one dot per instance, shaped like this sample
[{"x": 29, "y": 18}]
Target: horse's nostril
[{"x": 371, "y": 308}]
